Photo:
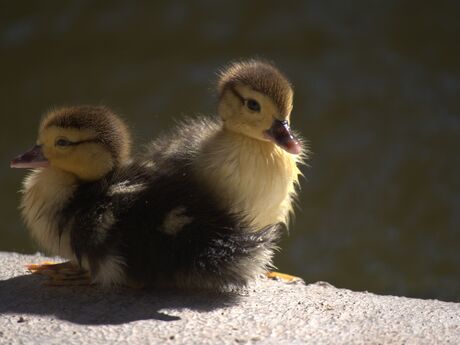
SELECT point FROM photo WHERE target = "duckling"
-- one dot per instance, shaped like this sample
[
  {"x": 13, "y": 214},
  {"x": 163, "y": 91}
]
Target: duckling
[
  {"x": 129, "y": 221},
  {"x": 249, "y": 156}
]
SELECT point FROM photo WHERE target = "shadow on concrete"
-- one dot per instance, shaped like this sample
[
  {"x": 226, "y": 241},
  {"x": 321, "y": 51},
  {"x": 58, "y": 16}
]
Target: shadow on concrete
[{"x": 93, "y": 306}]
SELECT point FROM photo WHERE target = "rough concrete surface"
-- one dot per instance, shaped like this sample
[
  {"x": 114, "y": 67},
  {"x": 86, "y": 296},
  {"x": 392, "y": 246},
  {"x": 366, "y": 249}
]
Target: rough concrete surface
[{"x": 268, "y": 312}]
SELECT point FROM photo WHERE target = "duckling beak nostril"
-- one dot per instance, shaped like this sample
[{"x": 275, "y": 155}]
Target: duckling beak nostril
[
  {"x": 280, "y": 133},
  {"x": 33, "y": 158}
]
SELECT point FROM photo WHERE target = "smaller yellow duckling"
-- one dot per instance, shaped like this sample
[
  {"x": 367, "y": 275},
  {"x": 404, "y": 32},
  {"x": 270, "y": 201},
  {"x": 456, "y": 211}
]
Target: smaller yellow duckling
[
  {"x": 249, "y": 157},
  {"x": 130, "y": 221}
]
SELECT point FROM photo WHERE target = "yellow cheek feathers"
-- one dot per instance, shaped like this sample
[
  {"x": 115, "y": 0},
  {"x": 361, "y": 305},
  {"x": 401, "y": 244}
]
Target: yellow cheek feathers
[{"x": 89, "y": 162}]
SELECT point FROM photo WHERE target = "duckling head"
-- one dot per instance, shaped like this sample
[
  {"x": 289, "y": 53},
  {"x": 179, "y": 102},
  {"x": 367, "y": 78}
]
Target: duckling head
[
  {"x": 86, "y": 141},
  {"x": 255, "y": 99}
]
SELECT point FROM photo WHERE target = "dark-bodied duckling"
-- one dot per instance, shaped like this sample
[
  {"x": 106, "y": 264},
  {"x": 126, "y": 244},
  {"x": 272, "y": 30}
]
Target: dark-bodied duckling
[
  {"x": 131, "y": 221},
  {"x": 249, "y": 156}
]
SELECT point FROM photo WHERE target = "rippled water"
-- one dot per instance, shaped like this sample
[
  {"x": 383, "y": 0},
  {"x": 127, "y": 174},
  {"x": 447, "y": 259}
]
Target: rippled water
[{"x": 377, "y": 95}]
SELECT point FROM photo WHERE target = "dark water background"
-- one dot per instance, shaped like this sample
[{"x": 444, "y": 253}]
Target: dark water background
[{"x": 377, "y": 95}]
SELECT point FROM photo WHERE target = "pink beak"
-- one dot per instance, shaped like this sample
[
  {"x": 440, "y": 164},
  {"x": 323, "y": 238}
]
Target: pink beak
[
  {"x": 33, "y": 158},
  {"x": 280, "y": 133}
]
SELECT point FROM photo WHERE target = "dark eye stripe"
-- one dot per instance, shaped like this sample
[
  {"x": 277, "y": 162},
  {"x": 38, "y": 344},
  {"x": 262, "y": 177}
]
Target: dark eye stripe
[
  {"x": 89, "y": 141},
  {"x": 250, "y": 103},
  {"x": 236, "y": 93},
  {"x": 65, "y": 142}
]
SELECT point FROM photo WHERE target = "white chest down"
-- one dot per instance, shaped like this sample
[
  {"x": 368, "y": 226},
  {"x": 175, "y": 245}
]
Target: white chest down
[
  {"x": 251, "y": 177},
  {"x": 44, "y": 194}
]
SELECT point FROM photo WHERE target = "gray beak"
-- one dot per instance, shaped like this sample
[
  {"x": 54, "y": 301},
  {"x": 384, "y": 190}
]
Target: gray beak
[
  {"x": 280, "y": 133},
  {"x": 33, "y": 158}
]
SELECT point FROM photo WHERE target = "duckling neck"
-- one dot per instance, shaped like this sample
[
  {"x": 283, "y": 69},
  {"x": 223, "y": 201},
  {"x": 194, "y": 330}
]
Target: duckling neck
[
  {"x": 250, "y": 176},
  {"x": 45, "y": 193}
]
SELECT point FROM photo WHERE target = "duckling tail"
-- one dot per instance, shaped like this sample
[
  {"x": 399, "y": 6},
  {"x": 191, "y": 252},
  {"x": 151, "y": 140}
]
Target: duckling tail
[{"x": 234, "y": 257}]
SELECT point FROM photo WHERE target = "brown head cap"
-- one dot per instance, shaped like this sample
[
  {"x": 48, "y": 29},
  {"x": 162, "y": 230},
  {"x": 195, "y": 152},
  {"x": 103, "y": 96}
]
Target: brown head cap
[{"x": 262, "y": 77}]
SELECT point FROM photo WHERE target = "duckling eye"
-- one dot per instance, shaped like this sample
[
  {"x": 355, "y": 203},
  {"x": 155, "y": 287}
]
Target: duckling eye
[
  {"x": 63, "y": 142},
  {"x": 253, "y": 105}
]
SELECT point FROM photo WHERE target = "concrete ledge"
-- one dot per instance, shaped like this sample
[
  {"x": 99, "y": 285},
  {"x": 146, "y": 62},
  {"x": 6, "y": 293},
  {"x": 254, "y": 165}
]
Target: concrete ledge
[{"x": 270, "y": 312}]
